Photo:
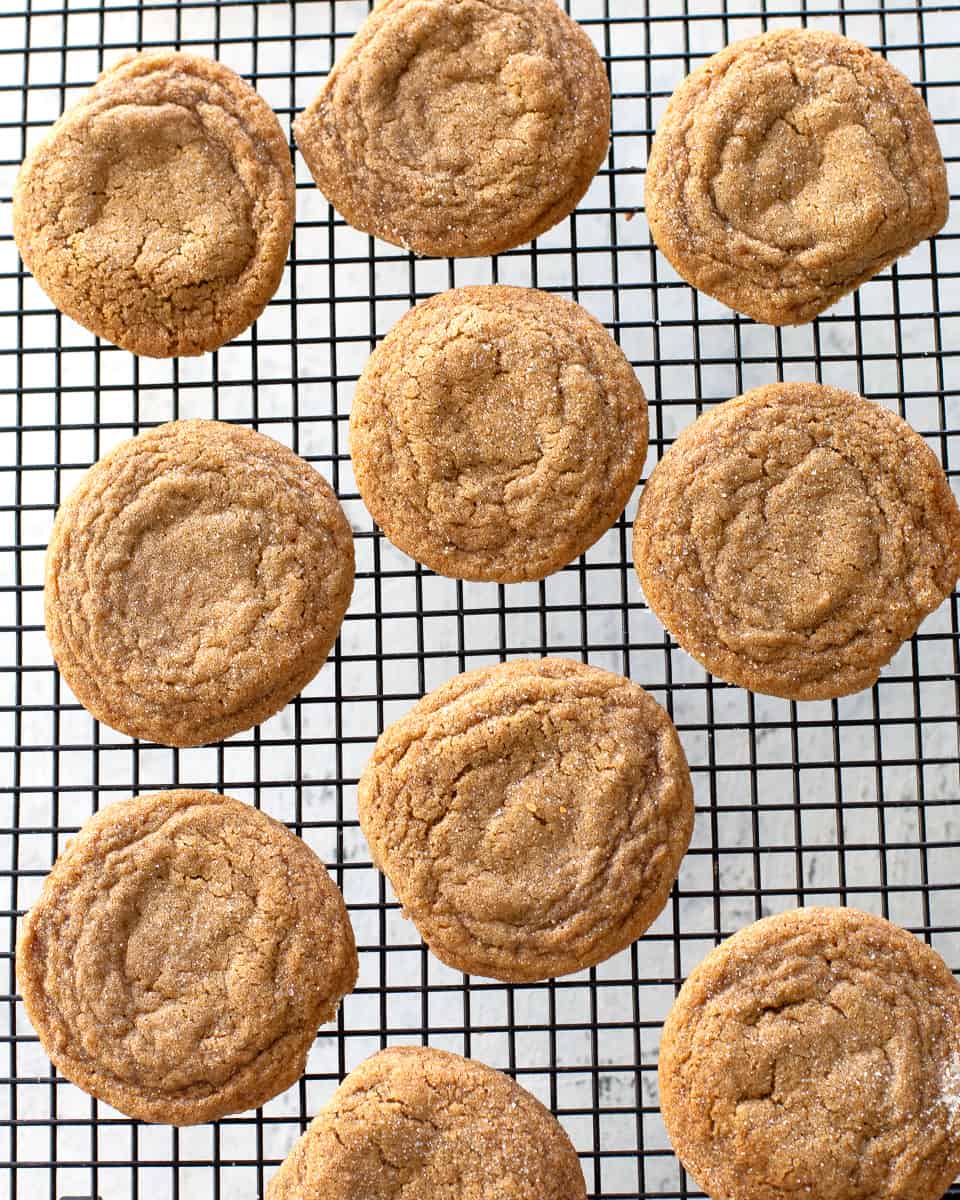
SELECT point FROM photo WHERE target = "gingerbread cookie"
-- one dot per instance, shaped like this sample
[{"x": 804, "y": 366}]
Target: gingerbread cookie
[
  {"x": 459, "y": 127},
  {"x": 793, "y": 538},
  {"x": 183, "y": 952},
  {"x": 815, "y": 1055},
  {"x": 789, "y": 169},
  {"x": 158, "y": 210},
  {"x": 531, "y": 817},
  {"x": 195, "y": 582},
  {"x": 424, "y": 1124},
  {"x": 497, "y": 433}
]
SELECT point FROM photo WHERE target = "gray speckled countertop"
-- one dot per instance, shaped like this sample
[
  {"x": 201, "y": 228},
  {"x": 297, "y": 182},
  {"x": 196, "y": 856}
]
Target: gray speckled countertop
[{"x": 794, "y": 803}]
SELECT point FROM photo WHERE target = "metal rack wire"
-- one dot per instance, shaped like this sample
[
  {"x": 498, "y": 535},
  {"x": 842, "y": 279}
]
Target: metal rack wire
[{"x": 854, "y": 801}]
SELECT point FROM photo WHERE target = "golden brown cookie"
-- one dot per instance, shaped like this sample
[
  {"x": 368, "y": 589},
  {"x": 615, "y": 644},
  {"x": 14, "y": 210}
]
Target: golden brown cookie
[
  {"x": 531, "y": 816},
  {"x": 158, "y": 210},
  {"x": 428, "y": 1125},
  {"x": 183, "y": 952},
  {"x": 794, "y": 537},
  {"x": 195, "y": 582},
  {"x": 815, "y": 1055},
  {"x": 497, "y": 433},
  {"x": 789, "y": 169},
  {"x": 459, "y": 127}
]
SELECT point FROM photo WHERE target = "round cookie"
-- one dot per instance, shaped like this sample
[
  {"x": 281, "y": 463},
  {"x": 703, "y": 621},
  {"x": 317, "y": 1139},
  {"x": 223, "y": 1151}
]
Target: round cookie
[
  {"x": 815, "y": 1055},
  {"x": 158, "y": 210},
  {"x": 793, "y": 538},
  {"x": 195, "y": 582},
  {"x": 429, "y": 1125},
  {"x": 497, "y": 433},
  {"x": 184, "y": 950},
  {"x": 531, "y": 816},
  {"x": 459, "y": 127},
  {"x": 789, "y": 169}
]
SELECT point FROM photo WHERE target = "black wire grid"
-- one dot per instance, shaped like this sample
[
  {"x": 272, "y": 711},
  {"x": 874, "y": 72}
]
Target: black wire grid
[{"x": 853, "y": 801}]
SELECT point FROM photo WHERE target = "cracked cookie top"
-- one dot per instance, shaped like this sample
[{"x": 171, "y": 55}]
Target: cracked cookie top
[
  {"x": 158, "y": 210},
  {"x": 429, "y": 1125},
  {"x": 531, "y": 816},
  {"x": 195, "y": 582},
  {"x": 497, "y": 433},
  {"x": 459, "y": 127},
  {"x": 789, "y": 169},
  {"x": 183, "y": 952},
  {"x": 816, "y": 1055},
  {"x": 793, "y": 538}
]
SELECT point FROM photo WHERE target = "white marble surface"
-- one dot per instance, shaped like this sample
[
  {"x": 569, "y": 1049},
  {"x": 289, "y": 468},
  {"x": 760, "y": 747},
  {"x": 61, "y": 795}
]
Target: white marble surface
[{"x": 786, "y": 812}]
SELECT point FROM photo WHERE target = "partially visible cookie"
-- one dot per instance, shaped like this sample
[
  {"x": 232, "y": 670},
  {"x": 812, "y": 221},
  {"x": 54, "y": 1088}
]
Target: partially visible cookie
[
  {"x": 459, "y": 127},
  {"x": 531, "y": 816},
  {"x": 793, "y": 538},
  {"x": 184, "y": 950},
  {"x": 429, "y": 1125},
  {"x": 815, "y": 1055},
  {"x": 789, "y": 169},
  {"x": 195, "y": 582},
  {"x": 497, "y": 433},
  {"x": 158, "y": 210}
]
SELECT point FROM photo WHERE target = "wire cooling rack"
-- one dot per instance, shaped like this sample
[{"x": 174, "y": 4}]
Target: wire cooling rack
[{"x": 854, "y": 801}]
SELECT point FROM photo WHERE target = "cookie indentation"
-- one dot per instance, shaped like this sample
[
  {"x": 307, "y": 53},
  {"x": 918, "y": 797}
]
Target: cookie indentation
[
  {"x": 793, "y": 555},
  {"x": 166, "y": 201}
]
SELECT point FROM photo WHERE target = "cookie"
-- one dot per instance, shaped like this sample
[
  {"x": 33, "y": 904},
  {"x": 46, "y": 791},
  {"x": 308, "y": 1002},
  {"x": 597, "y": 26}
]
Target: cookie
[
  {"x": 459, "y": 127},
  {"x": 195, "y": 582},
  {"x": 531, "y": 816},
  {"x": 789, "y": 169},
  {"x": 158, "y": 210},
  {"x": 816, "y": 1055},
  {"x": 792, "y": 539},
  {"x": 184, "y": 950},
  {"x": 497, "y": 433},
  {"x": 423, "y": 1124}
]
